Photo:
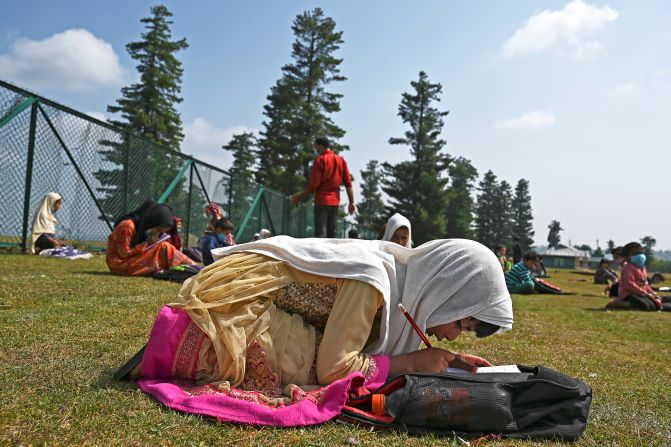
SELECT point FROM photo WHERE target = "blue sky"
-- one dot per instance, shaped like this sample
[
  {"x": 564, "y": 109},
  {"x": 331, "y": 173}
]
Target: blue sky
[{"x": 574, "y": 96}]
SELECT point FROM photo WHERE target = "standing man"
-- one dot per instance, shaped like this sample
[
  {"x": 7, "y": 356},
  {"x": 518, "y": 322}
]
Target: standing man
[{"x": 329, "y": 171}]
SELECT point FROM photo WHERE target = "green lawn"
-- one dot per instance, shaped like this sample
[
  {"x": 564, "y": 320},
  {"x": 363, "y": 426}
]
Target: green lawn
[{"x": 65, "y": 326}]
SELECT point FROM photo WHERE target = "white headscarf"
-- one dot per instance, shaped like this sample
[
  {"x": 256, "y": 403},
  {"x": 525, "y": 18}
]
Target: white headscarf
[
  {"x": 394, "y": 223},
  {"x": 44, "y": 220},
  {"x": 438, "y": 282}
]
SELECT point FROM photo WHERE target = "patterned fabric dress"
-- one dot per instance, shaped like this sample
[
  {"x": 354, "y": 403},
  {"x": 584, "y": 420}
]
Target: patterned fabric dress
[{"x": 122, "y": 259}]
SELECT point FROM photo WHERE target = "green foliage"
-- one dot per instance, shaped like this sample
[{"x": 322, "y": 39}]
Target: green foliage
[
  {"x": 417, "y": 188},
  {"x": 649, "y": 243},
  {"x": 523, "y": 228},
  {"x": 493, "y": 212},
  {"x": 553, "y": 236},
  {"x": 610, "y": 246},
  {"x": 371, "y": 206},
  {"x": 460, "y": 205},
  {"x": 243, "y": 147},
  {"x": 147, "y": 109},
  {"x": 299, "y": 106}
]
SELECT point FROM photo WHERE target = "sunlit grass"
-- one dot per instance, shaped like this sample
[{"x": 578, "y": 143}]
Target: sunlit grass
[{"x": 65, "y": 326}]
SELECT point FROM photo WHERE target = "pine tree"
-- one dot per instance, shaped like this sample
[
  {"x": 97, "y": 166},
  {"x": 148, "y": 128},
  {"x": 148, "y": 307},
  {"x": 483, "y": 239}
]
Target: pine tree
[
  {"x": 459, "y": 213},
  {"x": 522, "y": 218},
  {"x": 147, "y": 108},
  {"x": 299, "y": 106},
  {"x": 243, "y": 147},
  {"x": 417, "y": 188},
  {"x": 553, "y": 236},
  {"x": 649, "y": 243},
  {"x": 485, "y": 210},
  {"x": 371, "y": 205},
  {"x": 503, "y": 215},
  {"x": 611, "y": 246}
]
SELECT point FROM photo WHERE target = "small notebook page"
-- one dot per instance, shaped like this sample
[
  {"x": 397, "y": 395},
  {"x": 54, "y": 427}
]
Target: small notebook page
[{"x": 489, "y": 369}]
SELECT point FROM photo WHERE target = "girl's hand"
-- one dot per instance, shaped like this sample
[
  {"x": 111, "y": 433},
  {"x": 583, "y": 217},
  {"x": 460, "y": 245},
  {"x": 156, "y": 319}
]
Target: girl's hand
[
  {"x": 425, "y": 360},
  {"x": 475, "y": 360}
]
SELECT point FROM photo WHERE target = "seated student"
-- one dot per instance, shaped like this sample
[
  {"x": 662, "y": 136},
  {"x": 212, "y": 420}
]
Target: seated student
[
  {"x": 634, "y": 290},
  {"x": 132, "y": 248},
  {"x": 223, "y": 229},
  {"x": 604, "y": 275},
  {"x": 275, "y": 315},
  {"x": 44, "y": 224},
  {"x": 213, "y": 212},
  {"x": 398, "y": 230},
  {"x": 518, "y": 279},
  {"x": 501, "y": 251},
  {"x": 175, "y": 238}
]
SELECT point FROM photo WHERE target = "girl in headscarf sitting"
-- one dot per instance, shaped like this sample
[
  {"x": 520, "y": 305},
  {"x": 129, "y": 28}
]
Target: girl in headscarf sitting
[
  {"x": 281, "y": 314},
  {"x": 44, "y": 224},
  {"x": 398, "y": 230},
  {"x": 138, "y": 246}
]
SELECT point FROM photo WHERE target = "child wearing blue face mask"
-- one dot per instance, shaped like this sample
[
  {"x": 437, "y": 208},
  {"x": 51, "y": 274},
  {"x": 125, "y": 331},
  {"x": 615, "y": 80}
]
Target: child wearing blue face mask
[
  {"x": 223, "y": 228},
  {"x": 634, "y": 280}
]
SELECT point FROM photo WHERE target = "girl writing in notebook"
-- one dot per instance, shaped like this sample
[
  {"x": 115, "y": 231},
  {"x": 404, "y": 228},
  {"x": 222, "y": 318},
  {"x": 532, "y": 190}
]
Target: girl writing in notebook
[{"x": 281, "y": 313}]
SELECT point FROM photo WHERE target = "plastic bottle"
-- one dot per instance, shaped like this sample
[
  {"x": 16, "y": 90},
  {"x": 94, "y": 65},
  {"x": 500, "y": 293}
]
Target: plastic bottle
[{"x": 389, "y": 405}]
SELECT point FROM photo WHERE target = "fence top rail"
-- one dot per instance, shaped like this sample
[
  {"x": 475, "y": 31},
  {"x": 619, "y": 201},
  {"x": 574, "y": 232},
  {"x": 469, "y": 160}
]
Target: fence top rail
[{"x": 61, "y": 107}]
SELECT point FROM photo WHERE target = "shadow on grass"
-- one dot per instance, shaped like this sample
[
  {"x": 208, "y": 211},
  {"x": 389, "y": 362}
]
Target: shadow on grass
[{"x": 105, "y": 381}]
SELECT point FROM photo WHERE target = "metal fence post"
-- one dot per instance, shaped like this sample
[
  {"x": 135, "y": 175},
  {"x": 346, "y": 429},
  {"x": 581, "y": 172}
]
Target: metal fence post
[
  {"x": 126, "y": 168},
  {"x": 188, "y": 206},
  {"x": 230, "y": 195},
  {"x": 29, "y": 176}
]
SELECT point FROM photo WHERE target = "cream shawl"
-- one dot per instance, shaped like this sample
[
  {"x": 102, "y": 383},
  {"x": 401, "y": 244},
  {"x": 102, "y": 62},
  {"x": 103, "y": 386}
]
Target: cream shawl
[{"x": 44, "y": 220}]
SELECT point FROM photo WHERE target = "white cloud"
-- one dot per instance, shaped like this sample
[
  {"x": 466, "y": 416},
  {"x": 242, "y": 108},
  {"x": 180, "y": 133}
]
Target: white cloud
[
  {"x": 203, "y": 140},
  {"x": 537, "y": 119},
  {"x": 73, "y": 60},
  {"x": 568, "y": 30}
]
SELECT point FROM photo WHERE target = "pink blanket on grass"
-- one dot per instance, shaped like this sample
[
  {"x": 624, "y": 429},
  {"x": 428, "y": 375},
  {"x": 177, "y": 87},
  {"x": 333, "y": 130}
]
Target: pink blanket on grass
[{"x": 173, "y": 346}]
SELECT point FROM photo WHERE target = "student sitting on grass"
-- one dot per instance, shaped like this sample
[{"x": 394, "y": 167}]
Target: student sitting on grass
[
  {"x": 398, "y": 230},
  {"x": 604, "y": 275},
  {"x": 222, "y": 237},
  {"x": 44, "y": 224},
  {"x": 501, "y": 252},
  {"x": 134, "y": 249},
  {"x": 518, "y": 279},
  {"x": 634, "y": 289}
]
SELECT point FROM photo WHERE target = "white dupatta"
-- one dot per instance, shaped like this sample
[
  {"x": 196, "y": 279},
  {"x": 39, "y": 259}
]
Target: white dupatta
[{"x": 438, "y": 282}]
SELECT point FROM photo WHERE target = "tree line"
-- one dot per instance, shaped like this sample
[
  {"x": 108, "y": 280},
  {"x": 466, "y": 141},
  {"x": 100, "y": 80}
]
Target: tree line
[{"x": 436, "y": 191}]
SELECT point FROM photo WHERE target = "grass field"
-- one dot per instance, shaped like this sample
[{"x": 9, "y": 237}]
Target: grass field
[{"x": 65, "y": 326}]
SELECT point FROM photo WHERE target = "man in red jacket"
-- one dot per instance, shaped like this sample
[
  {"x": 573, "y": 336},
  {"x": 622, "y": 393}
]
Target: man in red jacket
[{"x": 329, "y": 171}]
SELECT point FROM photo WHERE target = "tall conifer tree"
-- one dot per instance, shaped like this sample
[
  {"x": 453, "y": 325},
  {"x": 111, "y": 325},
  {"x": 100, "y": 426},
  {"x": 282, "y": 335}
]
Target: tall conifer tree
[
  {"x": 503, "y": 214},
  {"x": 371, "y": 206},
  {"x": 554, "y": 237},
  {"x": 242, "y": 146},
  {"x": 485, "y": 210},
  {"x": 299, "y": 105},
  {"x": 460, "y": 206},
  {"x": 417, "y": 188},
  {"x": 522, "y": 216},
  {"x": 147, "y": 108}
]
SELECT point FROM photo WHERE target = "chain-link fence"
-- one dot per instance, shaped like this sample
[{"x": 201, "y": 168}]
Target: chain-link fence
[{"x": 103, "y": 172}]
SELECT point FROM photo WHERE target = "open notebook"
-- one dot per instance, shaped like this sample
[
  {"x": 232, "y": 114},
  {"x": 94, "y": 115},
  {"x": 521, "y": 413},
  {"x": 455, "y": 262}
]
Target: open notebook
[{"x": 489, "y": 369}]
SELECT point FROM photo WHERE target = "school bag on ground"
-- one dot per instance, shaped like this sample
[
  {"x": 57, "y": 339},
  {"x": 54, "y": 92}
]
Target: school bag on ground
[{"x": 536, "y": 403}]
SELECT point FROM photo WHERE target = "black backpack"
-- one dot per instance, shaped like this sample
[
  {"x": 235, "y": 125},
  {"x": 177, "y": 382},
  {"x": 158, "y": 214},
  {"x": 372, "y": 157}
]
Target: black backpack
[{"x": 537, "y": 403}]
